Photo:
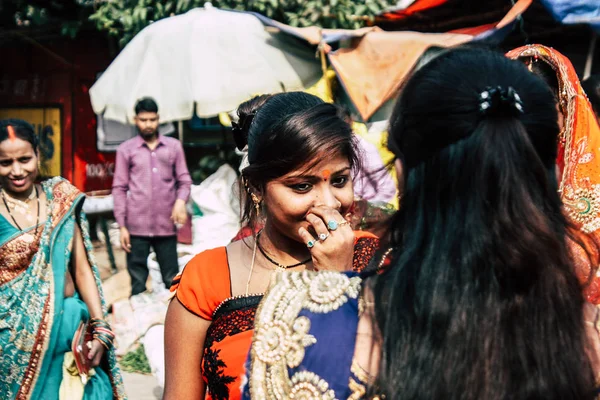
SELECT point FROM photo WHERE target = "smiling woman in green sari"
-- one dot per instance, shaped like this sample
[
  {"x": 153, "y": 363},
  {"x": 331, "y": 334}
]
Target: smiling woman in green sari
[{"x": 49, "y": 283}]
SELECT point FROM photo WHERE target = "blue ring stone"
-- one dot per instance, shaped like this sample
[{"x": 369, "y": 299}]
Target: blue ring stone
[
  {"x": 310, "y": 244},
  {"x": 332, "y": 225}
]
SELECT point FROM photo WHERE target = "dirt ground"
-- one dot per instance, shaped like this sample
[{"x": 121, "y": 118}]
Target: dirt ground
[{"x": 116, "y": 285}]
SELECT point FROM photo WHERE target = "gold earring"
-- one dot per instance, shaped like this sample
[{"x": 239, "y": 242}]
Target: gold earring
[{"x": 256, "y": 201}]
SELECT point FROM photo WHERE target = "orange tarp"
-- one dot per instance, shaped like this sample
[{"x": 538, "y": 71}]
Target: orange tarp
[{"x": 373, "y": 71}]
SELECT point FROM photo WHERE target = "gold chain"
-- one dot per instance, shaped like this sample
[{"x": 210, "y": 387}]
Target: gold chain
[{"x": 251, "y": 265}]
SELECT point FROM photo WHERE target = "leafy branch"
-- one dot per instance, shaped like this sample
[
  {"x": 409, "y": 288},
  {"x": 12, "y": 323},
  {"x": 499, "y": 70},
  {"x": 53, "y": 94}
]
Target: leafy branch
[{"x": 125, "y": 18}]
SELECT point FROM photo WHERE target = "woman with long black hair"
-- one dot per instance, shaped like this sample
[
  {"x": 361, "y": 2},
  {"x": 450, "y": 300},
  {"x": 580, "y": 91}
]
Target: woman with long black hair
[{"x": 478, "y": 299}]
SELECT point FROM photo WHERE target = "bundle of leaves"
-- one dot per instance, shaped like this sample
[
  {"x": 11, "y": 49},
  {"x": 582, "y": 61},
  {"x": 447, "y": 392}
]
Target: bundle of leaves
[{"x": 136, "y": 361}]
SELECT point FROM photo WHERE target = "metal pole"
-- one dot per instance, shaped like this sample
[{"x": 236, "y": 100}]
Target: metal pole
[
  {"x": 180, "y": 130},
  {"x": 109, "y": 250},
  {"x": 590, "y": 56}
]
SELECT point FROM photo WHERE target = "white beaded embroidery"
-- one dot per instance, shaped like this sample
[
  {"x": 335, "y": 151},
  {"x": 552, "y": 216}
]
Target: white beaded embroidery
[
  {"x": 307, "y": 385},
  {"x": 281, "y": 336}
]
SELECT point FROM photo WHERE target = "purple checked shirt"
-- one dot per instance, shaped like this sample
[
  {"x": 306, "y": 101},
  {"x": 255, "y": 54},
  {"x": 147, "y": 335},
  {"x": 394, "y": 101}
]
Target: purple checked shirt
[{"x": 147, "y": 183}]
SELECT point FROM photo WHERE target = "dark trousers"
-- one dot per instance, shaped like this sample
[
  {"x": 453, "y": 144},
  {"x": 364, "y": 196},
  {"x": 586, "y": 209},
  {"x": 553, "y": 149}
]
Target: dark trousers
[{"x": 165, "y": 248}]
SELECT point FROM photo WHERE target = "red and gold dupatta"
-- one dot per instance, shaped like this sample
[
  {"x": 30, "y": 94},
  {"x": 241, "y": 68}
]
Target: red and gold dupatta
[{"x": 579, "y": 165}]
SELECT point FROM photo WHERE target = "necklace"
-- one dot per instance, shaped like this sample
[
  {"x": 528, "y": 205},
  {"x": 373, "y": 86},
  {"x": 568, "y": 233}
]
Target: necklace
[
  {"x": 280, "y": 266},
  {"x": 251, "y": 265},
  {"x": 20, "y": 206},
  {"x": 26, "y": 237}
]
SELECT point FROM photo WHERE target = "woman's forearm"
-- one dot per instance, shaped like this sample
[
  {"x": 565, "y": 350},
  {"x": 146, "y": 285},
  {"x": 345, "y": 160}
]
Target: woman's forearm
[{"x": 84, "y": 278}]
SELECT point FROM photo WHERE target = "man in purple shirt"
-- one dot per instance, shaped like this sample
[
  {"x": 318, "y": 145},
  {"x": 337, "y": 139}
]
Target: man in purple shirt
[{"x": 150, "y": 188}]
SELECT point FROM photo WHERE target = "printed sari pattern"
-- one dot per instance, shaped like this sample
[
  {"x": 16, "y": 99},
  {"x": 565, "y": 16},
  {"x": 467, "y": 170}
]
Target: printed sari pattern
[
  {"x": 32, "y": 283},
  {"x": 579, "y": 165}
]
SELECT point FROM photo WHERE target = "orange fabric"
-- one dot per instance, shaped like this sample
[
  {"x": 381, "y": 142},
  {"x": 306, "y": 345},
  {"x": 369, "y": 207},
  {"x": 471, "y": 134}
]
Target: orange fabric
[
  {"x": 515, "y": 12},
  {"x": 204, "y": 283},
  {"x": 579, "y": 164},
  {"x": 233, "y": 350},
  {"x": 383, "y": 54}
]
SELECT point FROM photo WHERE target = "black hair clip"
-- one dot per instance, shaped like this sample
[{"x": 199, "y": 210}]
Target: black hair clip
[
  {"x": 240, "y": 130},
  {"x": 492, "y": 100}
]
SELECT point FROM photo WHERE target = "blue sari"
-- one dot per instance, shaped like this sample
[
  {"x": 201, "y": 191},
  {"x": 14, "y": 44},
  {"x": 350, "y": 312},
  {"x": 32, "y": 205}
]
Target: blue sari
[
  {"x": 304, "y": 339},
  {"x": 37, "y": 322}
]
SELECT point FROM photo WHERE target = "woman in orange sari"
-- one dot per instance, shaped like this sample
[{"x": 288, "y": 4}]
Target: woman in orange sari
[
  {"x": 297, "y": 187},
  {"x": 578, "y": 161}
]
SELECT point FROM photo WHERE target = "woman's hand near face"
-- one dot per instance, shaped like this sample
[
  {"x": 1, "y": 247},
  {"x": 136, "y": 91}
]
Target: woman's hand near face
[{"x": 333, "y": 249}]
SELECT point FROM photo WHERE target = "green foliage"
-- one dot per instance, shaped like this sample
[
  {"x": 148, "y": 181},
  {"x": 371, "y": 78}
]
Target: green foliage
[
  {"x": 68, "y": 16},
  {"x": 136, "y": 361},
  {"x": 125, "y": 18}
]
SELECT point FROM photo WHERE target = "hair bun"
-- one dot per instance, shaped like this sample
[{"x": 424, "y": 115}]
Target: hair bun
[
  {"x": 240, "y": 130},
  {"x": 246, "y": 112},
  {"x": 500, "y": 101}
]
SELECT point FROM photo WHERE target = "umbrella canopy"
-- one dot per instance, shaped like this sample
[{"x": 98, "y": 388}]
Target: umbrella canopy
[{"x": 207, "y": 58}]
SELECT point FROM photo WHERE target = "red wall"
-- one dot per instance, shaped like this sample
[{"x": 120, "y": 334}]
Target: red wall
[{"x": 58, "y": 71}]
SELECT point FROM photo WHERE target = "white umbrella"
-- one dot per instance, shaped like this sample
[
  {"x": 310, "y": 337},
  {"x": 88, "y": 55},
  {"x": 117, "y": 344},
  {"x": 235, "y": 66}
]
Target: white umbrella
[{"x": 213, "y": 59}]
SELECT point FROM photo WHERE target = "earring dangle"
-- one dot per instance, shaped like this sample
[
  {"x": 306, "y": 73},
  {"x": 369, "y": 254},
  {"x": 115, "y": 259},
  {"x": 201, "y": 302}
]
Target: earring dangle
[{"x": 256, "y": 201}]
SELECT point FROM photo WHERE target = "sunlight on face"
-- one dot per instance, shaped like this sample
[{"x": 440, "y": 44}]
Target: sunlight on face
[
  {"x": 289, "y": 199},
  {"x": 18, "y": 165}
]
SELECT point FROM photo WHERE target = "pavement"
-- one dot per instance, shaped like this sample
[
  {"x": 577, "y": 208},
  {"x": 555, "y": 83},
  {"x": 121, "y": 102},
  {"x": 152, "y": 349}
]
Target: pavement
[
  {"x": 141, "y": 387},
  {"x": 116, "y": 286}
]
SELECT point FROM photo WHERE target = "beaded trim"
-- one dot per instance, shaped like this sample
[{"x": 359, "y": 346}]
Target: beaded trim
[
  {"x": 359, "y": 372},
  {"x": 241, "y": 296},
  {"x": 281, "y": 336},
  {"x": 358, "y": 390},
  {"x": 358, "y": 386},
  {"x": 308, "y": 385},
  {"x": 38, "y": 351}
]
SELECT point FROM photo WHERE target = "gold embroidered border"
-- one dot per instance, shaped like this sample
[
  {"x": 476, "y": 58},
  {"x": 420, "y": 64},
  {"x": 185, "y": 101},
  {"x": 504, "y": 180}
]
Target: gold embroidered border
[
  {"x": 39, "y": 349},
  {"x": 281, "y": 336},
  {"x": 64, "y": 196}
]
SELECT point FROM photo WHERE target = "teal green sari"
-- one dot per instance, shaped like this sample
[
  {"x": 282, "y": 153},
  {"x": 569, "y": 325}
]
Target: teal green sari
[{"x": 37, "y": 322}]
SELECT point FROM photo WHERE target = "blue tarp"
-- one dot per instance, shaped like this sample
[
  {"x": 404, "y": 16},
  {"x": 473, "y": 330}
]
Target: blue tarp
[{"x": 575, "y": 11}]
